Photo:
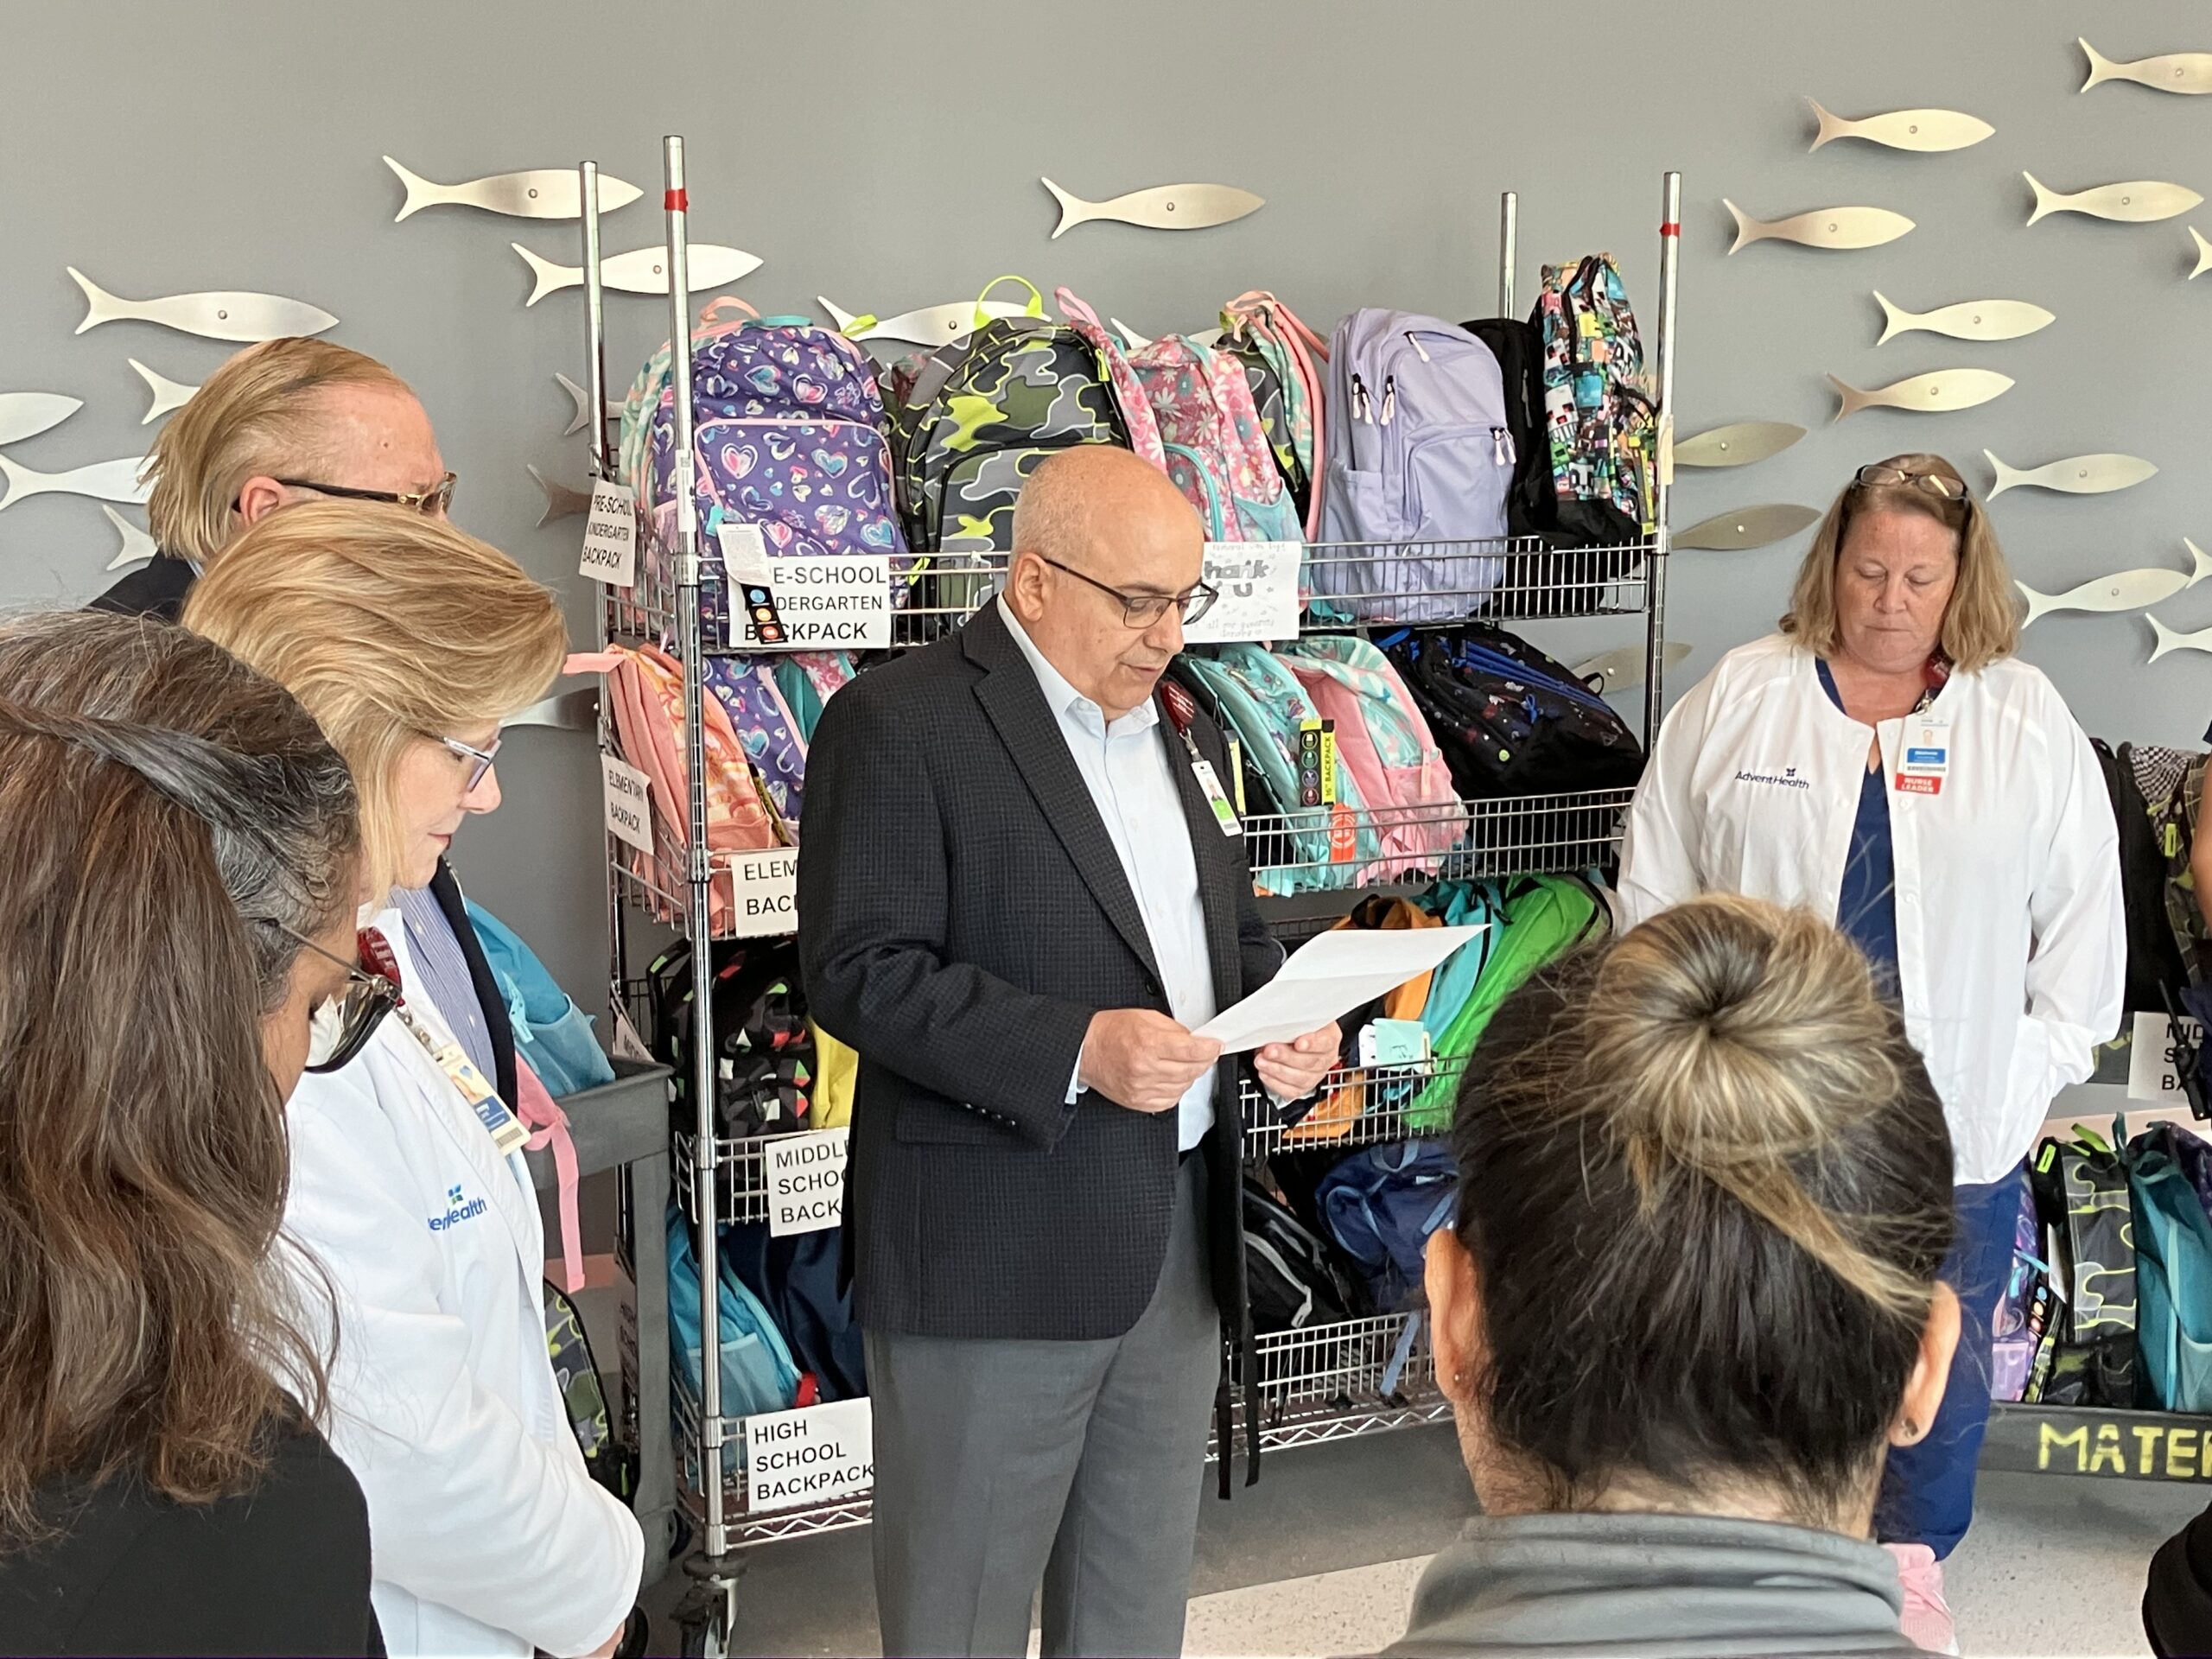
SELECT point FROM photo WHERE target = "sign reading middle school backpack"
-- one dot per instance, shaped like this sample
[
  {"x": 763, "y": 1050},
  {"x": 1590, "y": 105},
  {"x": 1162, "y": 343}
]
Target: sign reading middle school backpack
[{"x": 1419, "y": 451}]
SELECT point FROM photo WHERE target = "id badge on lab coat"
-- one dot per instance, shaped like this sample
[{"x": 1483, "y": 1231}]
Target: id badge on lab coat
[{"x": 1924, "y": 754}]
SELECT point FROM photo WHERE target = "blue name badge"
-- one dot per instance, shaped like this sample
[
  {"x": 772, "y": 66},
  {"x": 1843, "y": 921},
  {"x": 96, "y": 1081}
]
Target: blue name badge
[{"x": 1924, "y": 757}]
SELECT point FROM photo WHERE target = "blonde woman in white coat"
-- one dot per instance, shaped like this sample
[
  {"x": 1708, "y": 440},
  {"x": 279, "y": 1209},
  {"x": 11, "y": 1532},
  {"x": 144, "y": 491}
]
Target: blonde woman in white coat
[
  {"x": 1886, "y": 761},
  {"x": 409, "y": 642}
]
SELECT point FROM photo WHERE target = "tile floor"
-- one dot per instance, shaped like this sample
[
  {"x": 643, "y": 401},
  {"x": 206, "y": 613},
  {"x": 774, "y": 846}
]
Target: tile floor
[{"x": 1320, "y": 1558}]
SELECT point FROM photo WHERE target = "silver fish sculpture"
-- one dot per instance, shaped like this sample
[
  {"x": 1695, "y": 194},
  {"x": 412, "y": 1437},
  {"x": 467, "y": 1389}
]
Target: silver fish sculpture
[
  {"x": 560, "y": 501},
  {"x": 1921, "y": 129},
  {"x": 1738, "y": 445},
  {"x": 2139, "y": 201},
  {"x": 169, "y": 395},
  {"x": 933, "y": 325},
  {"x": 1825, "y": 227},
  {"x": 2203, "y": 254},
  {"x": 1622, "y": 669},
  {"x": 1134, "y": 340},
  {"x": 2177, "y": 72},
  {"x": 1968, "y": 319},
  {"x": 26, "y": 414},
  {"x": 2169, "y": 641},
  {"x": 582, "y": 400},
  {"x": 1937, "y": 393},
  {"x": 643, "y": 270},
  {"x": 1746, "y": 528},
  {"x": 222, "y": 315},
  {"x": 1163, "y": 207},
  {"x": 137, "y": 545},
  {"x": 2075, "y": 476},
  {"x": 565, "y": 711},
  {"x": 108, "y": 480},
  {"x": 2123, "y": 590},
  {"x": 546, "y": 192}
]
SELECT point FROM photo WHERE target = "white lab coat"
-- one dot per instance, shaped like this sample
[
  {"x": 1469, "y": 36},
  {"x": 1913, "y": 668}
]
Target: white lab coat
[
  {"x": 488, "y": 1535},
  {"x": 2010, "y": 939}
]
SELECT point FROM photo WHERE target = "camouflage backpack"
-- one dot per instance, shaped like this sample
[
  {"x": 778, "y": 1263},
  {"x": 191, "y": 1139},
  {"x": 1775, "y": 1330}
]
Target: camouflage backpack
[{"x": 981, "y": 414}]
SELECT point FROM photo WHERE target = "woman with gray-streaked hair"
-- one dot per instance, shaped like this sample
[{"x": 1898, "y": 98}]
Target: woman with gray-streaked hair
[{"x": 182, "y": 850}]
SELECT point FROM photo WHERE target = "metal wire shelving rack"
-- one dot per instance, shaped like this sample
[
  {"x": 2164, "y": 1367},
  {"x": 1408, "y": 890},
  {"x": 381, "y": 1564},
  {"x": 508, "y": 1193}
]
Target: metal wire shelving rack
[{"x": 1315, "y": 1385}]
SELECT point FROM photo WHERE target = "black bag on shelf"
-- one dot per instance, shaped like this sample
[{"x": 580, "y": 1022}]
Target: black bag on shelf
[
  {"x": 1297, "y": 1279},
  {"x": 1531, "y": 503},
  {"x": 795, "y": 1278},
  {"x": 1510, "y": 720},
  {"x": 2154, "y": 958},
  {"x": 764, "y": 1049}
]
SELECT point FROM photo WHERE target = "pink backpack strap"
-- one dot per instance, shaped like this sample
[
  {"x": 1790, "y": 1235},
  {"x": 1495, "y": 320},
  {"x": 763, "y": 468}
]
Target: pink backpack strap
[
  {"x": 549, "y": 1125},
  {"x": 1129, "y": 390}
]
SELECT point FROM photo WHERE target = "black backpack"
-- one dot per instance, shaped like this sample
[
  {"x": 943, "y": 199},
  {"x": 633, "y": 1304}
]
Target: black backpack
[
  {"x": 1297, "y": 1279},
  {"x": 2154, "y": 960},
  {"x": 764, "y": 1049},
  {"x": 1531, "y": 503},
  {"x": 1509, "y": 720}
]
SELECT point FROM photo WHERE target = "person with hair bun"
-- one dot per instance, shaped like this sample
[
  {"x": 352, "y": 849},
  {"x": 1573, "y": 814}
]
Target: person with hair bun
[
  {"x": 183, "y": 855},
  {"x": 1887, "y": 761},
  {"x": 1690, "y": 1298}
]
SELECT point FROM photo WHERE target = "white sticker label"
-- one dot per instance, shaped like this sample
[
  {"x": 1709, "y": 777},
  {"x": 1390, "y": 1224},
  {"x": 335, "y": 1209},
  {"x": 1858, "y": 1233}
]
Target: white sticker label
[
  {"x": 611, "y": 536},
  {"x": 629, "y": 815},
  {"x": 1258, "y": 583},
  {"x": 809, "y": 1455},
  {"x": 625, "y": 1043},
  {"x": 828, "y": 604},
  {"x": 745, "y": 551},
  {"x": 806, "y": 1182},
  {"x": 2153, "y": 1074},
  {"x": 766, "y": 893}
]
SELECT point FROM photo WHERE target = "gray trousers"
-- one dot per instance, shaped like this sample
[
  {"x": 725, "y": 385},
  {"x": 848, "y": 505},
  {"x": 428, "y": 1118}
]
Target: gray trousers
[{"x": 1001, "y": 1464}]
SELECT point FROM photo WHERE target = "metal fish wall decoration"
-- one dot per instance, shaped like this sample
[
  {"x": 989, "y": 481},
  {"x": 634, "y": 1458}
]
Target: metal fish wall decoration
[
  {"x": 2203, "y": 254},
  {"x": 560, "y": 501},
  {"x": 2169, "y": 641},
  {"x": 1922, "y": 130},
  {"x": 643, "y": 270},
  {"x": 933, "y": 325},
  {"x": 137, "y": 545},
  {"x": 1746, "y": 528},
  {"x": 2075, "y": 476},
  {"x": 1825, "y": 227},
  {"x": 221, "y": 315},
  {"x": 109, "y": 480},
  {"x": 545, "y": 192},
  {"x": 1968, "y": 319},
  {"x": 2139, "y": 201},
  {"x": 26, "y": 414},
  {"x": 1937, "y": 393},
  {"x": 1134, "y": 340},
  {"x": 1738, "y": 445},
  {"x": 169, "y": 395},
  {"x": 2177, "y": 72},
  {"x": 1622, "y": 669},
  {"x": 2123, "y": 590},
  {"x": 1163, "y": 207},
  {"x": 582, "y": 400}
]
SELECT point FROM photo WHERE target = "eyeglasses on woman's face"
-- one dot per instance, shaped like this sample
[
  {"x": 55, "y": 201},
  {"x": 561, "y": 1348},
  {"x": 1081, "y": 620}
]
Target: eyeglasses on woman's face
[
  {"x": 436, "y": 501},
  {"x": 481, "y": 761},
  {"x": 341, "y": 1026}
]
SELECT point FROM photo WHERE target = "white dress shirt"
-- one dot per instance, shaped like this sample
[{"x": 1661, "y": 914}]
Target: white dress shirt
[
  {"x": 1126, "y": 766},
  {"x": 2011, "y": 938}
]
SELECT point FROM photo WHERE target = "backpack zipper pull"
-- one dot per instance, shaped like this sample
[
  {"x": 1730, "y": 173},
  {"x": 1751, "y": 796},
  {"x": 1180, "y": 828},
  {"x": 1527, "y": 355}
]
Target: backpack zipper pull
[
  {"x": 1503, "y": 440},
  {"x": 1359, "y": 401},
  {"x": 1417, "y": 344},
  {"x": 1390, "y": 396}
]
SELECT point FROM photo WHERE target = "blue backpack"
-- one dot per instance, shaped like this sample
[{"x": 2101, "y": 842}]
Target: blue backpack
[
  {"x": 2173, "y": 1278},
  {"x": 757, "y": 1373},
  {"x": 1380, "y": 1205},
  {"x": 551, "y": 1033}
]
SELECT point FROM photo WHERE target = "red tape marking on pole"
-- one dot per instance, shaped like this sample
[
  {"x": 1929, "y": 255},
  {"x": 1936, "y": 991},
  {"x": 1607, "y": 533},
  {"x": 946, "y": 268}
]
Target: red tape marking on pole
[
  {"x": 676, "y": 201},
  {"x": 1670, "y": 228}
]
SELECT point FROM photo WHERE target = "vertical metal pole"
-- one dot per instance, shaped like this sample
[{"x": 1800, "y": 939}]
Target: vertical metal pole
[
  {"x": 600, "y": 467},
  {"x": 1508, "y": 225},
  {"x": 689, "y": 648},
  {"x": 1655, "y": 592}
]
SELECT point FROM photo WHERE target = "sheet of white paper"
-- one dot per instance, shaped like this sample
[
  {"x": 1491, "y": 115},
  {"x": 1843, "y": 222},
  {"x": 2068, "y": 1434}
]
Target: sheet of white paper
[{"x": 1327, "y": 979}]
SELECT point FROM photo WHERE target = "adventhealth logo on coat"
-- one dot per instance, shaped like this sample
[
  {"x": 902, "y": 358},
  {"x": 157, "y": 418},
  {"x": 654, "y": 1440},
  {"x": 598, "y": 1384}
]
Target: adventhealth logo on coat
[
  {"x": 1786, "y": 779},
  {"x": 458, "y": 1210}
]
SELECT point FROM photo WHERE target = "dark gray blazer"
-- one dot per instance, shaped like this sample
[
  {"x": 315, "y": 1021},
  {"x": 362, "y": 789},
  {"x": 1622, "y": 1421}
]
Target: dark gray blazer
[{"x": 965, "y": 914}]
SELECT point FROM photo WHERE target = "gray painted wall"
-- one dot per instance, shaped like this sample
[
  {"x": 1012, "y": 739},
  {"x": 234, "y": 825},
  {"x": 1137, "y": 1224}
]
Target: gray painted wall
[{"x": 886, "y": 155}]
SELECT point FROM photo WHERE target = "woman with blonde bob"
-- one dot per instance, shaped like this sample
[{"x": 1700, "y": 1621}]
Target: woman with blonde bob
[
  {"x": 1689, "y": 1302},
  {"x": 409, "y": 642},
  {"x": 1888, "y": 763}
]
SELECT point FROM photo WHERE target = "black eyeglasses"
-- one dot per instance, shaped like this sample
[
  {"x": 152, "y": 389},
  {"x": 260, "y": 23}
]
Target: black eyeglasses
[
  {"x": 1881, "y": 474},
  {"x": 436, "y": 501},
  {"x": 341, "y": 1026},
  {"x": 1142, "y": 610}
]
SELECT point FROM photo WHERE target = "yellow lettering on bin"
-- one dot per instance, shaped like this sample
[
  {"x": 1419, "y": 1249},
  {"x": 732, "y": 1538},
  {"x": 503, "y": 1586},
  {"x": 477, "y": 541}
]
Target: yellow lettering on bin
[
  {"x": 2107, "y": 1447},
  {"x": 2181, "y": 1455},
  {"x": 2048, "y": 1438},
  {"x": 2147, "y": 1436}
]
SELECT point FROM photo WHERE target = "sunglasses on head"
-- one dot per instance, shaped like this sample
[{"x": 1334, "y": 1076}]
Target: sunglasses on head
[
  {"x": 341, "y": 1026},
  {"x": 1882, "y": 474}
]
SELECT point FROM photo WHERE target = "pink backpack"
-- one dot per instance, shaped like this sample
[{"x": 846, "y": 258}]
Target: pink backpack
[
  {"x": 1386, "y": 745},
  {"x": 1283, "y": 339}
]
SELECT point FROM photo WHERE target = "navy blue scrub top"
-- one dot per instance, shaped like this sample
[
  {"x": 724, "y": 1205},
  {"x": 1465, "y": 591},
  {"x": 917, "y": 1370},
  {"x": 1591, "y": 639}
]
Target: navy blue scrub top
[{"x": 1866, "y": 909}]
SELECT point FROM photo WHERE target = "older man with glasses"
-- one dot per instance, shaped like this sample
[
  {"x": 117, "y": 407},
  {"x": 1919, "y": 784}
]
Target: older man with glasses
[{"x": 1023, "y": 889}]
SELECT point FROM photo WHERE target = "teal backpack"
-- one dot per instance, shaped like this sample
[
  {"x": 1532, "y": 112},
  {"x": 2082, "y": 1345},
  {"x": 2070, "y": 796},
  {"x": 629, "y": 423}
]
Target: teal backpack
[
  {"x": 551, "y": 1030},
  {"x": 2173, "y": 1279},
  {"x": 759, "y": 1374}
]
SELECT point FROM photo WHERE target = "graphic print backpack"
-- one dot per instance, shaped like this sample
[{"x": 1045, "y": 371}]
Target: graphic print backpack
[
  {"x": 749, "y": 692},
  {"x": 1380, "y": 1205},
  {"x": 1296, "y": 1277},
  {"x": 2171, "y": 783},
  {"x": 1600, "y": 420},
  {"x": 763, "y": 1047},
  {"x": 1510, "y": 720},
  {"x": 1419, "y": 450},
  {"x": 789, "y": 433},
  {"x": 984, "y": 413},
  {"x": 1284, "y": 362},
  {"x": 583, "y": 1395}
]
